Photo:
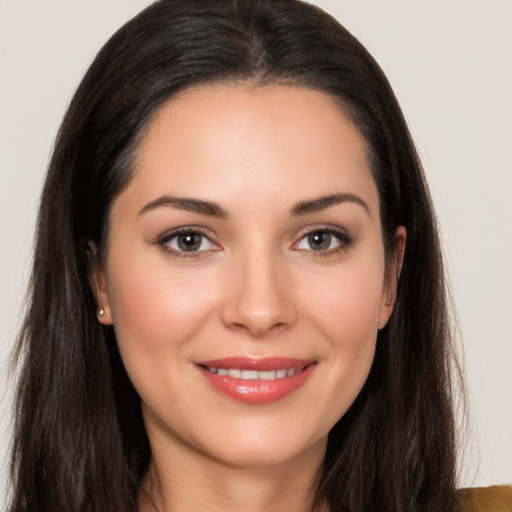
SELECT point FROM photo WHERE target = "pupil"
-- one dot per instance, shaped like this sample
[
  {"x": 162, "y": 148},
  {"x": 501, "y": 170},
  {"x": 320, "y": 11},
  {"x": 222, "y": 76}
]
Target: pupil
[
  {"x": 319, "y": 240},
  {"x": 189, "y": 242}
]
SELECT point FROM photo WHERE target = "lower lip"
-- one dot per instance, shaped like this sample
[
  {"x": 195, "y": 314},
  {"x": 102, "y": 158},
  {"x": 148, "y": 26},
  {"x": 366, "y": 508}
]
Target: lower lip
[{"x": 257, "y": 391}]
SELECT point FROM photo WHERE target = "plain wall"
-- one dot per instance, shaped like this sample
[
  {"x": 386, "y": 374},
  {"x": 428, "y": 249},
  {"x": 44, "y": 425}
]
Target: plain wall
[{"x": 451, "y": 67}]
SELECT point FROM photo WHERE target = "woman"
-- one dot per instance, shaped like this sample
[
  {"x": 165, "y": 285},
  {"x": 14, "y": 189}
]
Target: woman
[{"x": 234, "y": 190}]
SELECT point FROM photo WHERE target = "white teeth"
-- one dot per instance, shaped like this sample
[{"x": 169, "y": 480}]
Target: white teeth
[
  {"x": 253, "y": 374},
  {"x": 249, "y": 374}
]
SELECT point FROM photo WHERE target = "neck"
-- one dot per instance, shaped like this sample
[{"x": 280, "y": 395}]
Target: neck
[{"x": 181, "y": 484}]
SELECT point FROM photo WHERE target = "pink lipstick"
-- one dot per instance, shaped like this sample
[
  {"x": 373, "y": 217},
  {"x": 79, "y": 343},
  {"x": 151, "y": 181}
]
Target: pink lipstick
[{"x": 256, "y": 381}]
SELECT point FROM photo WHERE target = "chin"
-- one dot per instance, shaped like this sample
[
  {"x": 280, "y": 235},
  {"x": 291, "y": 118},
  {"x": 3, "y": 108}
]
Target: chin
[{"x": 266, "y": 448}]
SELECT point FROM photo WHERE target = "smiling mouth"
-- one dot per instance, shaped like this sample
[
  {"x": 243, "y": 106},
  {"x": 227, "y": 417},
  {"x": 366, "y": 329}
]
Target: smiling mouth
[
  {"x": 256, "y": 381},
  {"x": 238, "y": 373}
]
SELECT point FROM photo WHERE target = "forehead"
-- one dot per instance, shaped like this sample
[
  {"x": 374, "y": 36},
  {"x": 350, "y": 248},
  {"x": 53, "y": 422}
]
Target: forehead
[{"x": 220, "y": 140}]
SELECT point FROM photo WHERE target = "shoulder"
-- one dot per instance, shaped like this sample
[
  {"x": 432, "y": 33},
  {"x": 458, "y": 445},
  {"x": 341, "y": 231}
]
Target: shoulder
[{"x": 496, "y": 498}]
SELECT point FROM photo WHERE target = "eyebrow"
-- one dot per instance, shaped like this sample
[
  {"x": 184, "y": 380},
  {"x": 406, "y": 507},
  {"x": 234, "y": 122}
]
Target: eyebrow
[
  {"x": 214, "y": 210},
  {"x": 188, "y": 204},
  {"x": 321, "y": 203}
]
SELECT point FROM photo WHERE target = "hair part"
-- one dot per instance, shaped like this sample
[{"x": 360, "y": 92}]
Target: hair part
[{"x": 80, "y": 442}]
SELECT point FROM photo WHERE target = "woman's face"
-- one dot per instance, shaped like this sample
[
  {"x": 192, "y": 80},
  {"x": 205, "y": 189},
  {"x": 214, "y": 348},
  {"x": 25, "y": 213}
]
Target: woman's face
[{"x": 245, "y": 273}]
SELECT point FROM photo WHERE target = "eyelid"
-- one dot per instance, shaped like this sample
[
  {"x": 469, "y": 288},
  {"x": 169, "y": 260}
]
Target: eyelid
[
  {"x": 341, "y": 234},
  {"x": 163, "y": 241}
]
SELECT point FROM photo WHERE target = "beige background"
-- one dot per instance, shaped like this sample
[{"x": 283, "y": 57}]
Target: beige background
[{"x": 450, "y": 63}]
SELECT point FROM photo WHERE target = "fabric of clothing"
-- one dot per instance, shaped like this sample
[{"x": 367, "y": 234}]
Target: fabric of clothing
[{"x": 496, "y": 498}]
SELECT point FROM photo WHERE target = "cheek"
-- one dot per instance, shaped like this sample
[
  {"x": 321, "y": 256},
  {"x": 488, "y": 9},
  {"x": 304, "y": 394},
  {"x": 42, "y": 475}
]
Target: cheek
[
  {"x": 155, "y": 309},
  {"x": 345, "y": 311},
  {"x": 157, "y": 315},
  {"x": 345, "y": 304}
]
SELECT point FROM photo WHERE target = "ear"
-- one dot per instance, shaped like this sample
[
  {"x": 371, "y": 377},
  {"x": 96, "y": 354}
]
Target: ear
[
  {"x": 393, "y": 268},
  {"x": 98, "y": 282}
]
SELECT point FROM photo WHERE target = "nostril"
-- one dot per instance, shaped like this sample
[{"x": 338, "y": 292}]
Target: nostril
[
  {"x": 259, "y": 326},
  {"x": 258, "y": 303}
]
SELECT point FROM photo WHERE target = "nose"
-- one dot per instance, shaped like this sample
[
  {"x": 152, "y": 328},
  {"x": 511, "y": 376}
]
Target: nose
[{"x": 259, "y": 298}]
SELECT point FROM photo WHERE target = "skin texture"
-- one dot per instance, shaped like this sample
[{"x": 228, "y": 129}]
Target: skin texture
[{"x": 256, "y": 286}]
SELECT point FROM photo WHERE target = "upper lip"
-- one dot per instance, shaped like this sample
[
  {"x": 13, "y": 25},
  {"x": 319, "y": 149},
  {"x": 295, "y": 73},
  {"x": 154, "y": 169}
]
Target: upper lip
[{"x": 258, "y": 364}]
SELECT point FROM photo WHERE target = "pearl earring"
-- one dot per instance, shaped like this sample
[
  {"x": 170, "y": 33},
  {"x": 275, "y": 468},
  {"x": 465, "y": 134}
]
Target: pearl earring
[{"x": 101, "y": 312}]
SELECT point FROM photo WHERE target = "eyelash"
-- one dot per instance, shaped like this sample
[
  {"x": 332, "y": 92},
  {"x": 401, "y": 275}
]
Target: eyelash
[
  {"x": 164, "y": 241},
  {"x": 343, "y": 238}
]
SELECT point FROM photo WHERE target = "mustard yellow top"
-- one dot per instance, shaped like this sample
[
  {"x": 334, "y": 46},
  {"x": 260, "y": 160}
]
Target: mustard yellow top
[{"x": 496, "y": 498}]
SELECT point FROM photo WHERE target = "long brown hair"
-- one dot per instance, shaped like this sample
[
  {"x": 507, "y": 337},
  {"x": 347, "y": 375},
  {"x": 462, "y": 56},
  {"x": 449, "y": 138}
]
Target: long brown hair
[{"x": 79, "y": 441}]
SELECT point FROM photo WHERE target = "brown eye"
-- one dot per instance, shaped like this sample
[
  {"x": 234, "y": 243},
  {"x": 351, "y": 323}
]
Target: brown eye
[
  {"x": 320, "y": 240},
  {"x": 189, "y": 241},
  {"x": 323, "y": 241}
]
